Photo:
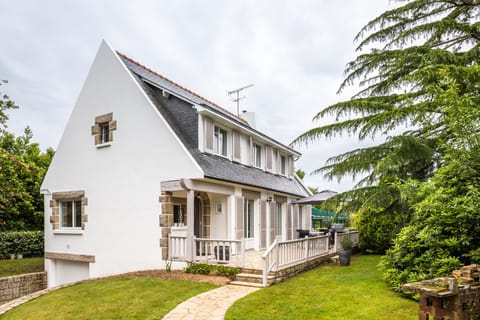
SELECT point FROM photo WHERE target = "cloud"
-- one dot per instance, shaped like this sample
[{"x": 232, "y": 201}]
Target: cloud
[{"x": 293, "y": 51}]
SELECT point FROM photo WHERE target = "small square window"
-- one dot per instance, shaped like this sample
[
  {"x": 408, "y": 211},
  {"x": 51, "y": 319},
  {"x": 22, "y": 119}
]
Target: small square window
[{"x": 103, "y": 129}]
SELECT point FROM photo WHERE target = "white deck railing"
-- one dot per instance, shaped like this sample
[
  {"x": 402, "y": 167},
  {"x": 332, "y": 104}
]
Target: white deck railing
[
  {"x": 286, "y": 253},
  {"x": 177, "y": 248},
  {"x": 231, "y": 252}
]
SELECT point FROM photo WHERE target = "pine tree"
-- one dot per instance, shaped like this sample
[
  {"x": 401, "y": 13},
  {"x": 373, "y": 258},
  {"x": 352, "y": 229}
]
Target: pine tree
[{"x": 407, "y": 46}]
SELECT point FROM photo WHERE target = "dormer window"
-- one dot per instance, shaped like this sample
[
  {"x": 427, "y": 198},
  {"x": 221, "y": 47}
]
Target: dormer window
[
  {"x": 257, "y": 155},
  {"x": 220, "y": 141}
]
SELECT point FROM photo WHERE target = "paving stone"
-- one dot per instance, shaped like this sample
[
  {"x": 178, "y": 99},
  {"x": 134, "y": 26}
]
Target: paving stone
[{"x": 210, "y": 305}]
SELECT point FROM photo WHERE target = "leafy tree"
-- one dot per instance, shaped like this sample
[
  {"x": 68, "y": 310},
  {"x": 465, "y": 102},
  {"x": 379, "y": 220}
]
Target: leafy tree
[
  {"x": 22, "y": 168},
  {"x": 407, "y": 46},
  {"x": 445, "y": 231}
]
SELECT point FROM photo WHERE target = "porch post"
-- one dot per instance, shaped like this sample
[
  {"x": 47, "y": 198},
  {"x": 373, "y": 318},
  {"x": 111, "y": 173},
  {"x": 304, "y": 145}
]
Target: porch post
[{"x": 190, "y": 224}]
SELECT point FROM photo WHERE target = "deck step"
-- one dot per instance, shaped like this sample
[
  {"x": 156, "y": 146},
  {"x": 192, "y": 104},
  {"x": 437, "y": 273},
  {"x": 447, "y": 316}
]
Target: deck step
[
  {"x": 253, "y": 278},
  {"x": 247, "y": 284},
  {"x": 251, "y": 271}
]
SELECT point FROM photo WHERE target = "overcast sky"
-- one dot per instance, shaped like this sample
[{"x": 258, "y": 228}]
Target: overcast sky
[{"x": 294, "y": 52}]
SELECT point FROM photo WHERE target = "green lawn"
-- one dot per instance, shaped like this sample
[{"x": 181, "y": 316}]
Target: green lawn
[
  {"x": 115, "y": 298},
  {"x": 328, "y": 292},
  {"x": 20, "y": 266}
]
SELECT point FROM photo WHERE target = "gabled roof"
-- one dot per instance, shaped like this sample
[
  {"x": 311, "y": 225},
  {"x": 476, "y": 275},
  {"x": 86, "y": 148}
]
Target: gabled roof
[
  {"x": 156, "y": 79},
  {"x": 184, "y": 121}
]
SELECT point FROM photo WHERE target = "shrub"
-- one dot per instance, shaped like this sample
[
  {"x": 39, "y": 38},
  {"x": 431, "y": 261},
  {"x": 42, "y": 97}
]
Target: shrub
[
  {"x": 207, "y": 269},
  {"x": 28, "y": 243},
  {"x": 445, "y": 230}
]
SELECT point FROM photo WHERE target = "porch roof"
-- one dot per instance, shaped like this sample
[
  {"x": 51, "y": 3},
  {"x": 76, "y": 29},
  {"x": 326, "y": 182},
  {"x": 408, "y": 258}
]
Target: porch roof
[{"x": 317, "y": 198}]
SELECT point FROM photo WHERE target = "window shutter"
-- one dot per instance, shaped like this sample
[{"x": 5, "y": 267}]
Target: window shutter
[
  {"x": 208, "y": 135},
  {"x": 268, "y": 157},
  {"x": 237, "y": 156},
  {"x": 295, "y": 222},
  {"x": 263, "y": 224},
  {"x": 291, "y": 169},
  {"x": 271, "y": 227},
  {"x": 239, "y": 219},
  {"x": 252, "y": 161},
  {"x": 289, "y": 221}
]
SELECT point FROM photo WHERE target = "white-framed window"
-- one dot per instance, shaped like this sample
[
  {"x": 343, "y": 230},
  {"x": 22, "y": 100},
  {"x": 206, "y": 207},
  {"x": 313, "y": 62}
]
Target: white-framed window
[
  {"x": 278, "y": 219},
  {"x": 248, "y": 217},
  {"x": 220, "y": 141},
  {"x": 283, "y": 165},
  {"x": 71, "y": 214},
  {"x": 257, "y": 155}
]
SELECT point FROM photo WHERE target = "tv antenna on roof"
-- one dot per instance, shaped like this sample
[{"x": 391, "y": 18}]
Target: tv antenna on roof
[{"x": 238, "y": 98}]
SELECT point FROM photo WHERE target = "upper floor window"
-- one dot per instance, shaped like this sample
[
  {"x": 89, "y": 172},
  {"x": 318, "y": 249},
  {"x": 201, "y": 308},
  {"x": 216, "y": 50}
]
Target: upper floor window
[
  {"x": 220, "y": 141},
  {"x": 257, "y": 155},
  {"x": 103, "y": 129},
  {"x": 283, "y": 165}
]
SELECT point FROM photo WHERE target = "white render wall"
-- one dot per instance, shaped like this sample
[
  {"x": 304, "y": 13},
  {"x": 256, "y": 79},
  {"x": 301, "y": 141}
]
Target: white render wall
[{"x": 122, "y": 181}]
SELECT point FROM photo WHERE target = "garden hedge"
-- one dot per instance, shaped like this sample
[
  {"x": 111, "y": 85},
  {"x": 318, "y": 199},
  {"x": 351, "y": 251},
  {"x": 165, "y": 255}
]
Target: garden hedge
[{"x": 27, "y": 243}]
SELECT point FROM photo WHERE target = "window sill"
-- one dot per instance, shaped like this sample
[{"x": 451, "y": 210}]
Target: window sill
[
  {"x": 103, "y": 145},
  {"x": 68, "y": 231}
]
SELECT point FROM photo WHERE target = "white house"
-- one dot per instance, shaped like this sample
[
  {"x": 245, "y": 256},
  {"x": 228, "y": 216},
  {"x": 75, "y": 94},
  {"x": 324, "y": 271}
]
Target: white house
[{"x": 143, "y": 158}]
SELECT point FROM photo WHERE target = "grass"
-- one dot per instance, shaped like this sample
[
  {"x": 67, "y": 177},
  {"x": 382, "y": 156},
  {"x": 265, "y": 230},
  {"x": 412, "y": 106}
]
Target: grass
[
  {"x": 115, "y": 298},
  {"x": 20, "y": 266},
  {"x": 328, "y": 292}
]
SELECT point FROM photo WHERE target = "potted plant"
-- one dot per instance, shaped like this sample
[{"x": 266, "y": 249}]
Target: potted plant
[{"x": 346, "y": 252}]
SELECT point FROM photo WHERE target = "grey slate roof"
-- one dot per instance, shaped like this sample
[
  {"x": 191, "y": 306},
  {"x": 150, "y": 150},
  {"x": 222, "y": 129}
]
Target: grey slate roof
[
  {"x": 317, "y": 198},
  {"x": 182, "y": 117}
]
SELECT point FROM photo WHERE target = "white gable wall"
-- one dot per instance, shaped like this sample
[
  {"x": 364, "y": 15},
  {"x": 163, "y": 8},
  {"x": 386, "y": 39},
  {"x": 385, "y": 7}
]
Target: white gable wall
[{"x": 122, "y": 181}]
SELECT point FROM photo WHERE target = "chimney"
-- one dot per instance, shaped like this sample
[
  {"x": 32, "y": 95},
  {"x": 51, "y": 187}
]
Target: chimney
[{"x": 249, "y": 117}]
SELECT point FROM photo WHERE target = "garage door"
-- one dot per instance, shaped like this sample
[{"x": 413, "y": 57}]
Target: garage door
[{"x": 71, "y": 271}]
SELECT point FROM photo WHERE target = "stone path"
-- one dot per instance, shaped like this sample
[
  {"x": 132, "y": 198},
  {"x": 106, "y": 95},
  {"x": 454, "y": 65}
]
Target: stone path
[{"x": 210, "y": 305}]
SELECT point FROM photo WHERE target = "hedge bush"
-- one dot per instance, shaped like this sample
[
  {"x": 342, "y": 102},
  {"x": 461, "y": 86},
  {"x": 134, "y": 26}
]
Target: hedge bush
[
  {"x": 28, "y": 243},
  {"x": 210, "y": 269}
]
